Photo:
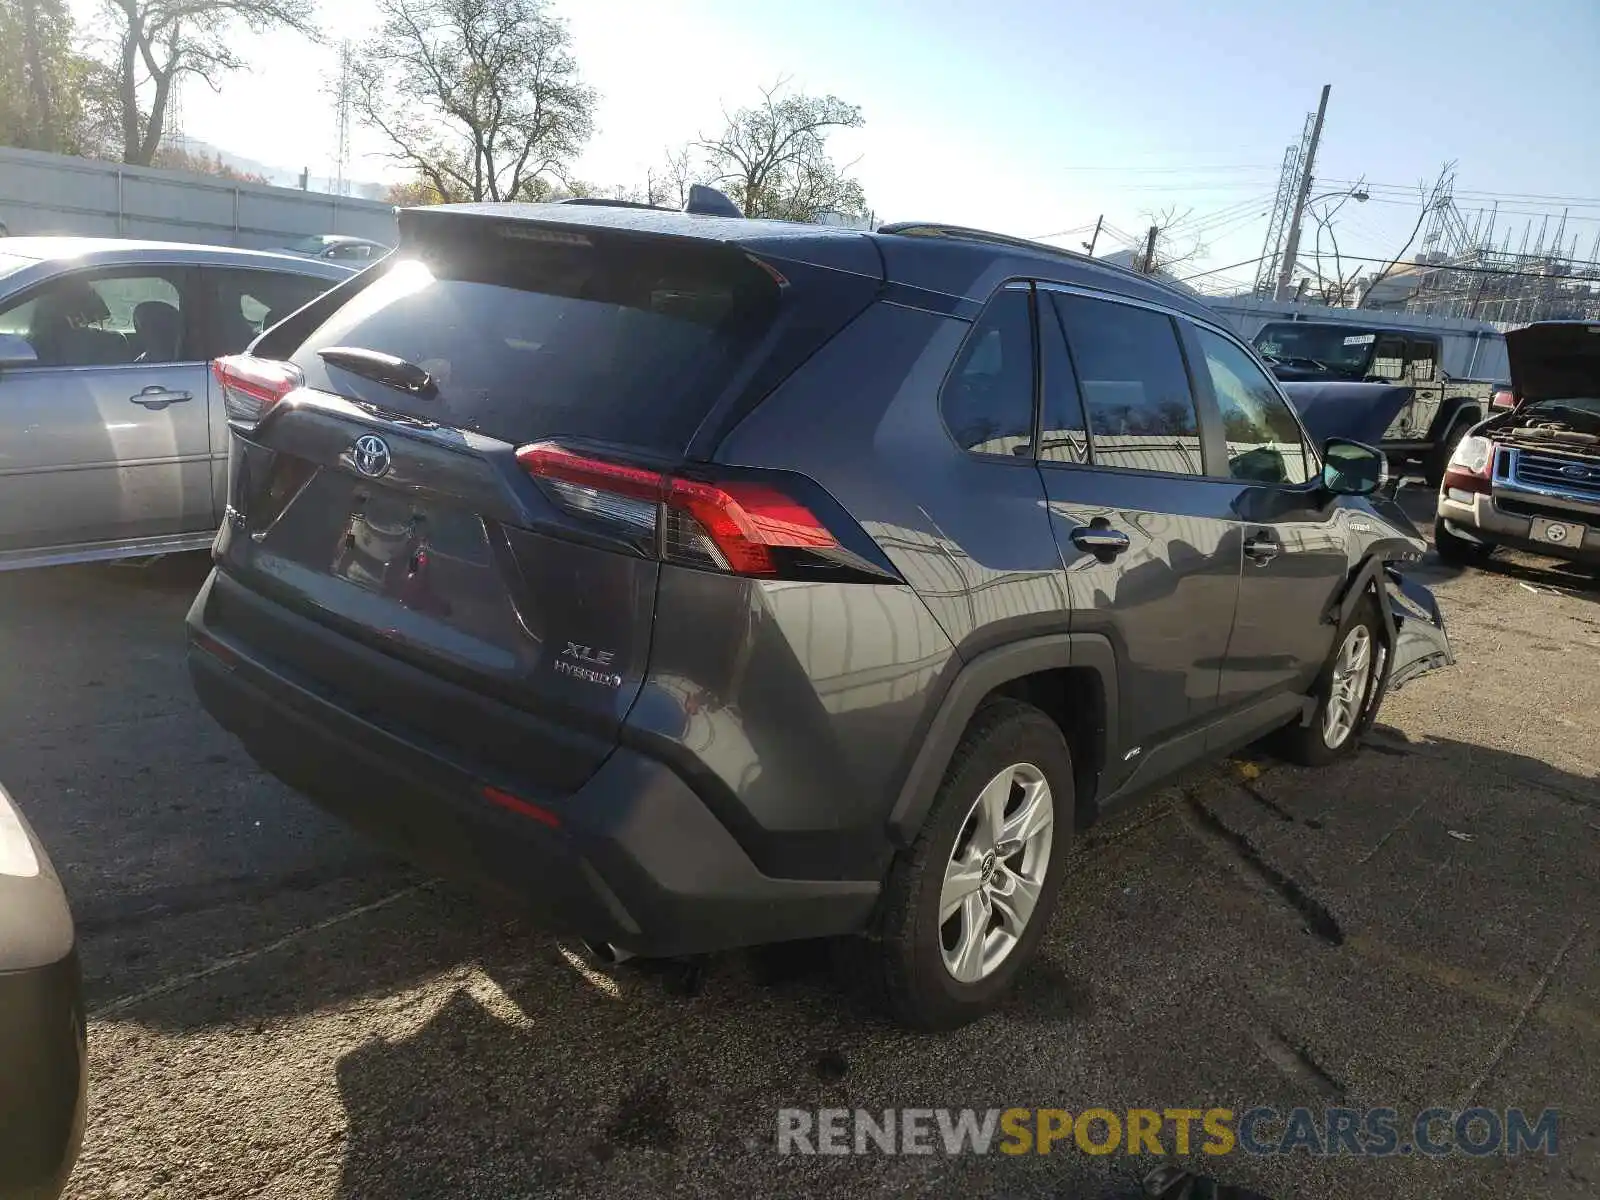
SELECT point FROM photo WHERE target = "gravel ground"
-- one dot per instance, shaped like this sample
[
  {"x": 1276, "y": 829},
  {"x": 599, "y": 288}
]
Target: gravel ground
[{"x": 278, "y": 1010}]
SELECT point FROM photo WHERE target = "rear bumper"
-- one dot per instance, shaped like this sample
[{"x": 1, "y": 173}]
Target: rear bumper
[
  {"x": 633, "y": 857},
  {"x": 1481, "y": 519}
]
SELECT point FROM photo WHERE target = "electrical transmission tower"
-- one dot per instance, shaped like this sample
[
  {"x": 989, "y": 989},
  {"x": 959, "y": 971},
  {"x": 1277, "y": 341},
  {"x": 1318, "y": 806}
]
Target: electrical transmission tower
[
  {"x": 1294, "y": 158},
  {"x": 343, "y": 95}
]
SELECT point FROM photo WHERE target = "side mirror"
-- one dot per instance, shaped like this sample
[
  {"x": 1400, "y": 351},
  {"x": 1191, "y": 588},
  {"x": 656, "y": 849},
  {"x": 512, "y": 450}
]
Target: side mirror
[
  {"x": 1352, "y": 468},
  {"x": 16, "y": 351}
]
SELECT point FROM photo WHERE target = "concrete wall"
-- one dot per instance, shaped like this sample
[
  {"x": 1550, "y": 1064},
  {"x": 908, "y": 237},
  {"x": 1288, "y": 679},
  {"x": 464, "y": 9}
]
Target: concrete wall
[{"x": 51, "y": 193}]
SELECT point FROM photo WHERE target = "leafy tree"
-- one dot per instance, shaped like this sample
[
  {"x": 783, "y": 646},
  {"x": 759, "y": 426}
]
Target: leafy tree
[
  {"x": 42, "y": 79},
  {"x": 158, "y": 42},
  {"x": 772, "y": 157},
  {"x": 482, "y": 98},
  {"x": 175, "y": 158}
]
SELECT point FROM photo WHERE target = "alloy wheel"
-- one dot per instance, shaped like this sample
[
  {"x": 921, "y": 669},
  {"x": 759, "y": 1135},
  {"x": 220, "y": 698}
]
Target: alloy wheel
[
  {"x": 996, "y": 872},
  {"x": 1347, "y": 690}
]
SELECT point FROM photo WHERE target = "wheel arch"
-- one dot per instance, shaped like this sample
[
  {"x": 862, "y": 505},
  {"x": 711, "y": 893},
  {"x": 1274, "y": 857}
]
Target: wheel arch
[
  {"x": 1369, "y": 578},
  {"x": 1072, "y": 678},
  {"x": 1452, "y": 410}
]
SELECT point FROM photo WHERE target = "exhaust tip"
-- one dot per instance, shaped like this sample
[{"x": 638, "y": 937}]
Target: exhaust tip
[{"x": 606, "y": 953}]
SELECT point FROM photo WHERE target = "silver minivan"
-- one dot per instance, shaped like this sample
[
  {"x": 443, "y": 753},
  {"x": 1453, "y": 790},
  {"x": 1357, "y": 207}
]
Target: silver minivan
[{"x": 113, "y": 442}]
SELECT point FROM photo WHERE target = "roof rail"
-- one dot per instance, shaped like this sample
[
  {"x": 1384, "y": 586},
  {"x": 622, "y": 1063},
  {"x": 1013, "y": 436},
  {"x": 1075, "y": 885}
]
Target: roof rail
[
  {"x": 966, "y": 234},
  {"x": 606, "y": 202},
  {"x": 702, "y": 199}
]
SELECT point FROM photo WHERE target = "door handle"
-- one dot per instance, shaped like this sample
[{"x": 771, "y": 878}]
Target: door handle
[
  {"x": 1262, "y": 548},
  {"x": 156, "y": 397},
  {"x": 1099, "y": 539}
]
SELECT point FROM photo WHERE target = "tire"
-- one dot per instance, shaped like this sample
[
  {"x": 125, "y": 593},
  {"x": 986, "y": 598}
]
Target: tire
[
  {"x": 910, "y": 962},
  {"x": 1335, "y": 728},
  {"x": 1458, "y": 551},
  {"x": 1433, "y": 467}
]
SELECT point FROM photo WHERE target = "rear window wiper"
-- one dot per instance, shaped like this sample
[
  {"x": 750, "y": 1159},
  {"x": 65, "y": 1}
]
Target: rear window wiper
[{"x": 381, "y": 368}]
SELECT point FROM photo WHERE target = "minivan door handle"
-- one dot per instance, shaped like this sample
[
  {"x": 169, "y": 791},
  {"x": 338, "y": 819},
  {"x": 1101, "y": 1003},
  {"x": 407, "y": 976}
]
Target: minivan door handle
[
  {"x": 1263, "y": 547},
  {"x": 157, "y": 397},
  {"x": 1099, "y": 539}
]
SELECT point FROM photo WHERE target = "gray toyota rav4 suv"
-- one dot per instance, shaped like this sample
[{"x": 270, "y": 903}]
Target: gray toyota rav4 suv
[{"x": 708, "y": 582}]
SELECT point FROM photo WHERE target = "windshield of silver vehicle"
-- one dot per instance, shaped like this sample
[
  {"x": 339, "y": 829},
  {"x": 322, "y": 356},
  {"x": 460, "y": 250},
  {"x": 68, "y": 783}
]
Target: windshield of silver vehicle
[{"x": 1335, "y": 350}]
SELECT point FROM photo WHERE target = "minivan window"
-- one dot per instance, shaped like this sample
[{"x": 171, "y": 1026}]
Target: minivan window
[
  {"x": 1134, "y": 385},
  {"x": 987, "y": 400},
  {"x": 1264, "y": 441},
  {"x": 628, "y": 343}
]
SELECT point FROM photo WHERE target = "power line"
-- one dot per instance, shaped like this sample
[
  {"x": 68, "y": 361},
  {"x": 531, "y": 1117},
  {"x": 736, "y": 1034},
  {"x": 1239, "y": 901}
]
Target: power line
[
  {"x": 1249, "y": 262},
  {"x": 1515, "y": 197},
  {"x": 1199, "y": 170}
]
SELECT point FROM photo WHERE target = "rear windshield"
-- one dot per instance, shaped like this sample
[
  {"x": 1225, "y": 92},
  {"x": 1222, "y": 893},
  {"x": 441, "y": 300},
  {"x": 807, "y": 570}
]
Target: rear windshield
[{"x": 526, "y": 339}]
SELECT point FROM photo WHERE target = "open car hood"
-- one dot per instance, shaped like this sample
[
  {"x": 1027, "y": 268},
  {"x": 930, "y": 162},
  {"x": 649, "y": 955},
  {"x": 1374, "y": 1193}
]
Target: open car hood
[
  {"x": 1358, "y": 411},
  {"x": 1555, "y": 360}
]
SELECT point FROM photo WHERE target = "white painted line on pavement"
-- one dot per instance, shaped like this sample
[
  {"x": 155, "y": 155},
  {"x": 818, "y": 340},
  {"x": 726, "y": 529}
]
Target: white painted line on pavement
[{"x": 178, "y": 982}]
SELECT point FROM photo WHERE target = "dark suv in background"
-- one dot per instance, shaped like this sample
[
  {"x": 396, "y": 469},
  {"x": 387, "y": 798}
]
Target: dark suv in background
[{"x": 711, "y": 582}]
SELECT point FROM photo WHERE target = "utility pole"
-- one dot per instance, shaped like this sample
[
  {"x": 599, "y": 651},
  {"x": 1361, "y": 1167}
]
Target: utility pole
[
  {"x": 1292, "y": 246},
  {"x": 1090, "y": 244},
  {"x": 1149, "y": 267}
]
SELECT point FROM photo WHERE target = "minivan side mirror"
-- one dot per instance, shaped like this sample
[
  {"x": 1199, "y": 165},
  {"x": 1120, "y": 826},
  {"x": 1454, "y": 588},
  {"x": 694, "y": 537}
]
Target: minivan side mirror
[
  {"x": 16, "y": 351},
  {"x": 1352, "y": 468}
]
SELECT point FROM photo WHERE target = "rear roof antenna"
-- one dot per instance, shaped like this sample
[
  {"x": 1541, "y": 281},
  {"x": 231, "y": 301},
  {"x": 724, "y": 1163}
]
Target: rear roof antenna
[{"x": 708, "y": 201}]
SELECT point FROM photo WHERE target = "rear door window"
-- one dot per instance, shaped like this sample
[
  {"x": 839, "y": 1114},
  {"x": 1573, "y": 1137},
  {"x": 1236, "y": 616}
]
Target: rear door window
[
  {"x": 987, "y": 400},
  {"x": 625, "y": 341},
  {"x": 1134, "y": 385},
  {"x": 245, "y": 302}
]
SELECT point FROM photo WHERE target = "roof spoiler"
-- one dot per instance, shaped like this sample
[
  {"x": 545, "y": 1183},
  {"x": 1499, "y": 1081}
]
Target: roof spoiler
[{"x": 703, "y": 200}]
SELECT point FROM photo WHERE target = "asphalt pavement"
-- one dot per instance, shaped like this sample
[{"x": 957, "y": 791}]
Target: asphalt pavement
[{"x": 277, "y": 1009}]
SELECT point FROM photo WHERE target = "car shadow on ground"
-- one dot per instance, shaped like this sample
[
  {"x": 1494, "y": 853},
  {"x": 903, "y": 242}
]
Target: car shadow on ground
[{"x": 544, "y": 1073}]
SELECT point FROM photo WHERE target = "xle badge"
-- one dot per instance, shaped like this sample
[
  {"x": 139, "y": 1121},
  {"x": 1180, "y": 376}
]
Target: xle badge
[{"x": 588, "y": 665}]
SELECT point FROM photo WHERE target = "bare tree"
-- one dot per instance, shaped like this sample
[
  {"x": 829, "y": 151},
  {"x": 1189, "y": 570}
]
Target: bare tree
[
  {"x": 668, "y": 185},
  {"x": 1173, "y": 247},
  {"x": 158, "y": 42},
  {"x": 1336, "y": 291},
  {"x": 773, "y": 156},
  {"x": 480, "y": 97},
  {"x": 1431, "y": 198}
]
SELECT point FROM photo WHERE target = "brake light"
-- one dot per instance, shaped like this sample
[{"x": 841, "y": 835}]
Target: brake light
[
  {"x": 1504, "y": 398},
  {"x": 1468, "y": 469},
  {"x": 739, "y": 526},
  {"x": 251, "y": 386}
]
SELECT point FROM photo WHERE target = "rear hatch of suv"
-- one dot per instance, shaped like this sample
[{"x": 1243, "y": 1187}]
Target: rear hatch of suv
[{"x": 414, "y": 533}]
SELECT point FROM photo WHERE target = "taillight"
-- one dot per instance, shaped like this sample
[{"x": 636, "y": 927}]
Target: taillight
[
  {"x": 1503, "y": 399},
  {"x": 251, "y": 386},
  {"x": 738, "y": 525},
  {"x": 1469, "y": 466}
]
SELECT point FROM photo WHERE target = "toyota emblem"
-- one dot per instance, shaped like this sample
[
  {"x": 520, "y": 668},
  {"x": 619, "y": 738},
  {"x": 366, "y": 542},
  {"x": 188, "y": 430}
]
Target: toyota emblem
[{"x": 370, "y": 455}]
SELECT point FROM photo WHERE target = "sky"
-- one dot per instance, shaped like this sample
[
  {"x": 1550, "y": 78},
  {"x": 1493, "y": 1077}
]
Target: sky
[{"x": 1033, "y": 117}]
